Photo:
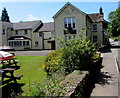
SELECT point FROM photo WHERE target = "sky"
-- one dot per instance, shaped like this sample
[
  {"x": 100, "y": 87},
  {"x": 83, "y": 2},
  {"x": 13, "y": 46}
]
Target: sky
[{"x": 30, "y": 11}]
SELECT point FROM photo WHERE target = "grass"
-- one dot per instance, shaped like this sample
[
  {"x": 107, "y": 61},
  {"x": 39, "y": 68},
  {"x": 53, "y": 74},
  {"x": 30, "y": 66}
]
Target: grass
[{"x": 32, "y": 69}]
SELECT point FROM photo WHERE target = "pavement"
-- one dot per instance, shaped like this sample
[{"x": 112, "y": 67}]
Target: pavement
[
  {"x": 32, "y": 53},
  {"x": 116, "y": 52},
  {"x": 108, "y": 82}
]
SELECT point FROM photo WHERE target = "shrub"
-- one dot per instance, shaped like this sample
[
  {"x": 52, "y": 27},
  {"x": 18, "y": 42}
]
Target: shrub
[
  {"x": 78, "y": 55},
  {"x": 53, "y": 61},
  {"x": 48, "y": 88}
]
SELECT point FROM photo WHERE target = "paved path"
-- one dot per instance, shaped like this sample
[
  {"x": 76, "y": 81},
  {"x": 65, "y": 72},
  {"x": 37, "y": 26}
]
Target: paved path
[
  {"x": 107, "y": 84},
  {"x": 32, "y": 53}
]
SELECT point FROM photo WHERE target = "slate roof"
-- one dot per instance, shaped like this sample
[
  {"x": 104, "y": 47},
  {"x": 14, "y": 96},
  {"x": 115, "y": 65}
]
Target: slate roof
[
  {"x": 96, "y": 17},
  {"x": 21, "y": 25},
  {"x": 47, "y": 27},
  {"x": 18, "y": 38},
  {"x": 26, "y": 25},
  {"x": 7, "y": 24}
]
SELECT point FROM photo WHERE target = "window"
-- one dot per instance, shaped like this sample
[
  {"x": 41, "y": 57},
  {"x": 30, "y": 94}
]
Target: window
[
  {"x": 36, "y": 43},
  {"x": 94, "y": 27},
  {"x": 69, "y": 22},
  {"x": 25, "y": 43},
  {"x": 3, "y": 31},
  {"x": 18, "y": 43},
  {"x": 16, "y": 32},
  {"x": 25, "y": 32},
  {"x": 94, "y": 39},
  {"x": 10, "y": 44},
  {"x": 39, "y": 34},
  {"x": 69, "y": 37},
  {"x": 15, "y": 43}
]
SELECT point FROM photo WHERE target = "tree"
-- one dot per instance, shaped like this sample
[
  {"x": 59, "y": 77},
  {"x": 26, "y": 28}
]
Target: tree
[
  {"x": 114, "y": 18},
  {"x": 5, "y": 16}
]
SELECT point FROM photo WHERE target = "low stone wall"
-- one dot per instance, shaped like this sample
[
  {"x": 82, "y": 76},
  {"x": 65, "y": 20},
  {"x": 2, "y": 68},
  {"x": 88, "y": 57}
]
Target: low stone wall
[
  {"x": 81, "y": 83},
  {"x": 72, "y": 81},
  {"x": 84, "y": 87}
]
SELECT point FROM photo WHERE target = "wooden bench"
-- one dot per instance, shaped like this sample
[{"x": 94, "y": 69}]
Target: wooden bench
[{"x": 11, "y": 76}]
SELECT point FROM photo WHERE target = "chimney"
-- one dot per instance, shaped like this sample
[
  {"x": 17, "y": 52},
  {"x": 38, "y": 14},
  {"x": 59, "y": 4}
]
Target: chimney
[{"x": 101, "y": 11}]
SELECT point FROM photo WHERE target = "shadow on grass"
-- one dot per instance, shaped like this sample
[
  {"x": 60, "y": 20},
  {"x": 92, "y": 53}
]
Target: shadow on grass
[{"x": 12, "y": 90}]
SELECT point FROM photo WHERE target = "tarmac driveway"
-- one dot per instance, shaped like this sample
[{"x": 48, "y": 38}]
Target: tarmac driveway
[{"x": 32, "y": 53}]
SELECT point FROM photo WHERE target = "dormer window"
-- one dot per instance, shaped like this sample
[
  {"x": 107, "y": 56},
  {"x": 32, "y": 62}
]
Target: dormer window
[
  {"x": 94, "y": 27},
  {"x": 16, "y": 32},
  {"x": 25, "y": 32},
  {"x": 69, "y": 23},
  {"x": 3, "y": 31}
]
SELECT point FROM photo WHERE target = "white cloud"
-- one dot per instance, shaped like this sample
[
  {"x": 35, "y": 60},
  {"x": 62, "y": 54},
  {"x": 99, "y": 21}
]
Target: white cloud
[{"x": 31, "y": 17}]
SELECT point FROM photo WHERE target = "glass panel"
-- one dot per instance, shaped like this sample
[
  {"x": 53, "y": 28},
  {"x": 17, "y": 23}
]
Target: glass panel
[
  {"x": 73, "y": 22},
  {"x": 16, "y": 32},
  {"x": 25, "y": 32},
  {"x": 9, "y": 43},
  {"x": 3, "y": 31},
  {"x": 36, "y": 43},
  {"x": 23, "y": 43},
  {"x": 27, "y": 43},
  {"x": 39, "y": 34},
  {"x": 20, "y": 43},
  {"x": 14, "y": 43},
  {"x": 69, "y": 23},
  {"x": 65, "y": 22},
  {"x": 17, "y": 43}
]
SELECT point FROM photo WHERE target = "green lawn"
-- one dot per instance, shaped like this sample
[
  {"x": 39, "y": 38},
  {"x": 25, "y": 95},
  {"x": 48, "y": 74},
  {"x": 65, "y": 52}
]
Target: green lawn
[{"x": 32, "y": 69}]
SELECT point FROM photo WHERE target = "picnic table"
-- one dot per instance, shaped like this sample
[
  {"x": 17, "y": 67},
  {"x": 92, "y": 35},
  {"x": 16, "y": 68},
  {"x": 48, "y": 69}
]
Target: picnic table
[
  {"x": 7, "y": 70},
  {"x": 10, "y": 63}
]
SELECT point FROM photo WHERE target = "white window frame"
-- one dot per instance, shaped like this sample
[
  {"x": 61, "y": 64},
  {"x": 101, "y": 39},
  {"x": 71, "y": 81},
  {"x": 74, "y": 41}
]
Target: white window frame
[
  {"x": 19, "y": 43},
  {"x": 72, "y": 21}
]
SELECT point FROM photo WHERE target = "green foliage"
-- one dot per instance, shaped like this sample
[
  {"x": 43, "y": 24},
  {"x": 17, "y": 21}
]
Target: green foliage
[
  {"x": 48, "y": 88},
  {"x": 78, "y": 54},
  {"x": 114, "y": 26},
  {"x": 116, "y": 38},
  {"x": 119, "y": 37},
  {"x": 53, "y": 61},
  {"x": 111, "y": 16},
  {"x": 5, "y": 16}
]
